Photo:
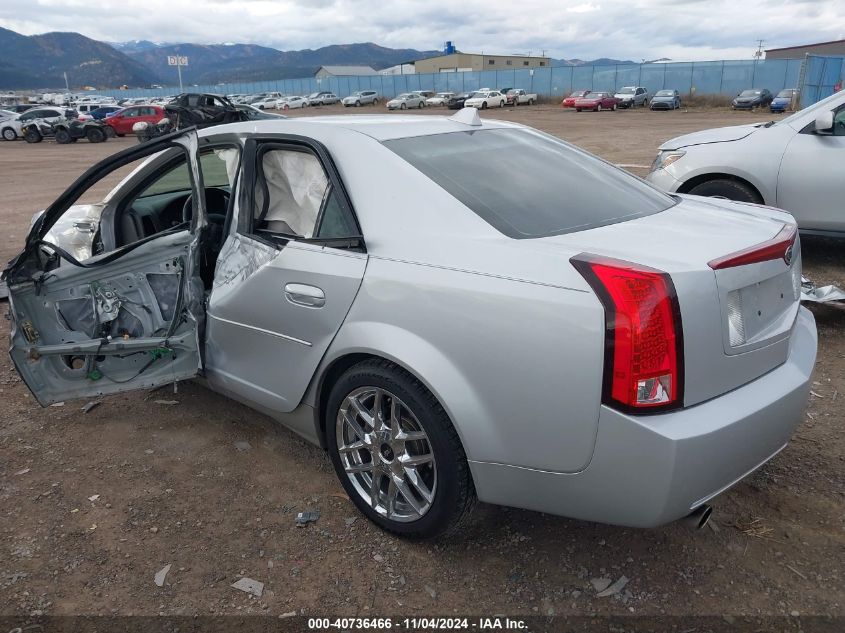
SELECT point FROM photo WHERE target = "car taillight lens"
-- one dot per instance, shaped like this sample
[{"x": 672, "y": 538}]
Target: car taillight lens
[
  {"x": 643, "y": 360},
  {"x": 781, "y": 246}
]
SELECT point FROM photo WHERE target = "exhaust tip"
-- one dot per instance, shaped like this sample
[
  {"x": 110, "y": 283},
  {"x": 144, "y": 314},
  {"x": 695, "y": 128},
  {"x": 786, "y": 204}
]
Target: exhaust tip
[{"x": 698, "y": 518}]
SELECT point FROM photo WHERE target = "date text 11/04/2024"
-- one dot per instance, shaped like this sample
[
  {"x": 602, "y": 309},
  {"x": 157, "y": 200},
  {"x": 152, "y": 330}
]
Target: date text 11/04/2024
[{"x": 417, "y": 623}]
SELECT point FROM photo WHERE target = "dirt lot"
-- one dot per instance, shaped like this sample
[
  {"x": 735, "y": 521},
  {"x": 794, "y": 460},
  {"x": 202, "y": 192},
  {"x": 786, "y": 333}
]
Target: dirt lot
[{"x": 93, "y": 505}]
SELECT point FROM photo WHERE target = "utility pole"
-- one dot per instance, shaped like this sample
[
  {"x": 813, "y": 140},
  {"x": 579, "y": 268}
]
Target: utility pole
[
  {"x": 759, "y": 53},
  {"x": 67, "y": 87}
]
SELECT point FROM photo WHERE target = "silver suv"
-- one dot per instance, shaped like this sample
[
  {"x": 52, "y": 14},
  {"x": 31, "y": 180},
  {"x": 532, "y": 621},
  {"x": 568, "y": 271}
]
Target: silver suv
[
  {"x": 632, "y": 96},
  {"x": 362, "y": 97}
]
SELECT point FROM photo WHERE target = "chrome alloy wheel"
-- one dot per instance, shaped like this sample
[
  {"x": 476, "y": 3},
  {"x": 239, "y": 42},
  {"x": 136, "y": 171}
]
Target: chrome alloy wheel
[{"x": 386, "y": 454}]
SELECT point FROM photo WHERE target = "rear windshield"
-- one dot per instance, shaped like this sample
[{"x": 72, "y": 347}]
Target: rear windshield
[{"x": 527, "y": 184}]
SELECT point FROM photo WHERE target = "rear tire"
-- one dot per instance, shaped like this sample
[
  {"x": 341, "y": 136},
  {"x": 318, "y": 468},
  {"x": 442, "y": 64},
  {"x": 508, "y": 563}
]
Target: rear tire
[
  {"x": 577, "y": 109},
  {"x": 357, "y": 104},
  {"x": 403, "y": 107},
  {"x": 598, "y": 108},
  {"x": 531, "y": 102},
  {"x": 446, "y": 476},
  {"x": 483, "y": 105},
  {"x": 614, "y": 107},
  {"x": 725, "y": 188}
]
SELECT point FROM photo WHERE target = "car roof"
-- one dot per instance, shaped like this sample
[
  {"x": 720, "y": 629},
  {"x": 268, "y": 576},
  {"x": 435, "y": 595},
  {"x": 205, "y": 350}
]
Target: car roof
[{"x": 381, "y": 127}]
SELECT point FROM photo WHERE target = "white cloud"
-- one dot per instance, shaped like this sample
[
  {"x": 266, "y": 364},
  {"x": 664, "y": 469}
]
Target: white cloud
[{"x": 623, "y": 29}]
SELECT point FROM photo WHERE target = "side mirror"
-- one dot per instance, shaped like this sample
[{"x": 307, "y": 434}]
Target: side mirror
[{"x": 824, "y": 123}]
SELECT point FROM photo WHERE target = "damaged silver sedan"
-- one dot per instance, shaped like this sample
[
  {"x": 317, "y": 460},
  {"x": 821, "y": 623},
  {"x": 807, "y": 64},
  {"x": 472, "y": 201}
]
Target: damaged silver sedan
[{"x": 559, "y": 336}]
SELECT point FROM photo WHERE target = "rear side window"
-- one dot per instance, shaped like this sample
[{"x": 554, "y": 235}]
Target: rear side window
[{"x": 527, "y": 184}]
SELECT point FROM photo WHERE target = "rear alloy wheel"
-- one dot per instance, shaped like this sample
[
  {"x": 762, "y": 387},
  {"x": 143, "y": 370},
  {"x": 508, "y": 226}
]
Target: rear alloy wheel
[
  {"x": 614, "y": 107},
  {"x": 357, "y": 104},
  {"x": 483, "y": 105},
  {"x": 725, "y": 188},
  {"x": 420, "y": 105},
  {"x": 396, "y": 452},
  {"x": 375, "y": 102},
  {"x": 95, "y": 135},
  {"x": 63, "y": 136},
  {"x": 403, "y": 107},
  {"x": 598, "y": 108},
  {"x": 9, "y": 134}
]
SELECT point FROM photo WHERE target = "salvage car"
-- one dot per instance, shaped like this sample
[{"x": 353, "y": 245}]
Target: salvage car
[
  {"x": 651, "y": 347},
  {"x": 794, "y": 164},
  {"x": 569, "y": 102},
  {"x": 440, "y": 99},
  {"x": 518, "y": 96},
  {"x": 486, "y": 99},
  {"x": 361, "y": 97},
  {"x": 596, "y": 101},
  {"x": 752, "y": 99},
  {"x": 665, "y": 100},
  {"x": 632, "y": 96},
  {"x": 123, "y": 121},
  {"x": 100, "y": 113},
  {"x": 406, "y": 100},
  {"x": 291, "y": 103},
  {"x": 784, "y": 100},
  {"x": 456, "y": 102}
]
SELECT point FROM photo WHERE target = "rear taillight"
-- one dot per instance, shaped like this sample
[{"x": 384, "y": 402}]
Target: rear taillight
[
  {"x": 643, "y": 359},
  {"x": 781, "y": 246}
]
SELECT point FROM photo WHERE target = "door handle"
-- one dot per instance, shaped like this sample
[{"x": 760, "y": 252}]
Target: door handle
[{"x": 305, "y": 295}]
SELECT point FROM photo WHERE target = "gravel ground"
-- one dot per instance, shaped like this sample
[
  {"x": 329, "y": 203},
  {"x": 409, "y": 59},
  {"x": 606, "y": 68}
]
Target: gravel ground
[{"x": 94, "y": 504}]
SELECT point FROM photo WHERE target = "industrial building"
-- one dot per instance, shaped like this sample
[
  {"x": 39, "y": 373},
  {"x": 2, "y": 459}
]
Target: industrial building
[
  {"x": 834, "y": 48},
  {"x": 324, "y": 72},
  {"x": 454, "y": 61}
]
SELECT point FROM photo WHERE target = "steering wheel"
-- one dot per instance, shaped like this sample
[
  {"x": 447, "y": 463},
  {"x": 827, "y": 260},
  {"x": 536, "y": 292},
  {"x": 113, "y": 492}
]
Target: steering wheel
[{"x": 216, "y": 204}]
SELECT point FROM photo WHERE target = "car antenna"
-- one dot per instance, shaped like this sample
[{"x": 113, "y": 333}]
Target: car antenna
[{"x": 467, "y": 116}]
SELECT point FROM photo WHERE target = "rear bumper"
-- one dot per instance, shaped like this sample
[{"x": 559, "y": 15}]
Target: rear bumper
[{"x": 651, "y": 470}]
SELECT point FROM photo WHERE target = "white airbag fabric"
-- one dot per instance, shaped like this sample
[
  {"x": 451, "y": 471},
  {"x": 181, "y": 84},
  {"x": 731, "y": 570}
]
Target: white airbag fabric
[{"x": 296, "y": 184}]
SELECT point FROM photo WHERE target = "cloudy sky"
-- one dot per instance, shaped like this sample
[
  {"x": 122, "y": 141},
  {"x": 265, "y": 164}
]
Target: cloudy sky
[{"x": 586, "y": 29}]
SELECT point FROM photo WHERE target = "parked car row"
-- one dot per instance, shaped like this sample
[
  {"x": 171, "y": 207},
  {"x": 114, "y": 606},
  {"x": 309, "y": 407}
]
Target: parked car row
[{"x": 638, "y": 96}]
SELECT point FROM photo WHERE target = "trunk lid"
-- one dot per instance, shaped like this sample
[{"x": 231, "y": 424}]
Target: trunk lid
[{"x": 736, "y": 319}]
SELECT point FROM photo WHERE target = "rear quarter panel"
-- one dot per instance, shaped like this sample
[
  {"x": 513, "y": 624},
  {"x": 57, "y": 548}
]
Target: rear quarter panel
[{"x": 516, "y": 365}]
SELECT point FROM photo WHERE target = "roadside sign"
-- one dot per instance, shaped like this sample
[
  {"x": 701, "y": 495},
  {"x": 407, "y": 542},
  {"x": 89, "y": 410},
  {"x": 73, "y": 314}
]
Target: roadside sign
[{"x": 177, "y": 60}]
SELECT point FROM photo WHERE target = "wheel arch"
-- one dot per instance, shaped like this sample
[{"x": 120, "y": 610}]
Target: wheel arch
[
  {"x": 693, "y": 182},
  {"x": 418, "y": 358}
]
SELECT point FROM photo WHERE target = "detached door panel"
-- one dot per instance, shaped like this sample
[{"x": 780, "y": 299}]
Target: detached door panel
[
  {"x": 95, "y": 331},
  {"x": 119, "y": 320}
]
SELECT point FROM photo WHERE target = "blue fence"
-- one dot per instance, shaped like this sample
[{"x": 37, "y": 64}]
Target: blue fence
[
  {"x": 822, "y": 75},
  {"x": 699, "y": 78}
]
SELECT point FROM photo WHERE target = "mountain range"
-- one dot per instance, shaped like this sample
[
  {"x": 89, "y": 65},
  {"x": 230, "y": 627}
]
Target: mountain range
[{"x": 40, "y": 61}]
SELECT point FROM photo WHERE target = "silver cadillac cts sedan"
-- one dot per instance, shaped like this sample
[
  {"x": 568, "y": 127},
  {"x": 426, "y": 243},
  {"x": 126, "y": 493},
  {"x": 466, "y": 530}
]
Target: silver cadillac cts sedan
[{"x": 547, "y": 332}]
